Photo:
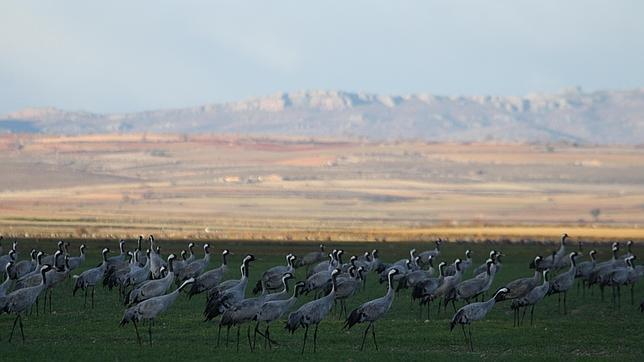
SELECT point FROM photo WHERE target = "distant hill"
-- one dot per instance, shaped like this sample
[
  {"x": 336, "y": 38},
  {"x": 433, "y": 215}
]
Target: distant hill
[{"x": 602, "y": 117}]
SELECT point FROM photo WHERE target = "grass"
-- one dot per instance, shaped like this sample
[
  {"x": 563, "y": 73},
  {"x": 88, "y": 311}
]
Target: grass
[{"x": 592, "y": 330}]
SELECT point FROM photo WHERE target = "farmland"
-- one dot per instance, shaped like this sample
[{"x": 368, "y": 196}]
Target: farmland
[{"x": 229, "y": 187}]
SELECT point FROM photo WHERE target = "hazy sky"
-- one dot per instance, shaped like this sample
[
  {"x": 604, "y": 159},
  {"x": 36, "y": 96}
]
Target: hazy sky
[{"x": 114, "y": 56}]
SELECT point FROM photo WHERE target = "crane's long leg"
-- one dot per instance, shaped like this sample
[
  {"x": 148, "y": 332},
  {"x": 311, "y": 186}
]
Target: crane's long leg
[
  {"x": 14, "y": 327},
  {"x": 22, "y": 333},
  {"x": 227, "y": 334},
  {"x": 532, "y": 315},
  {"x": 150, "y": 331},
  {"x": 564, "y": 298},
  {"x": 250, "y": 344},
  {"x": 469, "y": 328},
  {"x": 464, "y": 334},
  {"x": 364, "y": 337},
  {"x": 218, "y": 335},
  {"x": 619, "y": 297},
  {"x": 238, "y": 326},
  {"x": 138, "y": 337},
  {"x": 306, "y": 332},
  {"x": 255, "y": 335},
  {"x": 315, "y": 338},
  {"x": 523, "y": 317},
  {"x": 93, "y": 296},
  {"x": 373, "y": 333}
]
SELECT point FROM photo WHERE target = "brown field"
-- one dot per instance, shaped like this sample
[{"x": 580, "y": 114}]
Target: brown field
[{"x": 230, "y": 187}]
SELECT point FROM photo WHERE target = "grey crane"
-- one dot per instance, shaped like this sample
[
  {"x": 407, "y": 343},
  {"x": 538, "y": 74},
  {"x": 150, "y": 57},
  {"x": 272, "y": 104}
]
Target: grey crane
[
  {"x": 471, "y": 288},
  {"x": 7, "y": 283},
  {"x": 239, "y": 313},
  {"x": 424, "y": 289},
  {"x": 312, "y": 313},
  {"x": 522, "y": 286},
  {"x": 197, "y": 267},
  {"x": 414, "y": 277},
  {"x": 50, "y": 259},
  {"x": 76, "y": 261},
  {"x": 4, "y": 259},
  {"x": 20, "y": 300},
  {"x": 348, "y": 287},
  {"x": 323, "y": 265},
  {"x": 218, "y": 303},
  {"x": 191, "y": 249},
  {"x": 584, "y": 269},
  {"x": 272, "y": 278},
  {"x": 56, "y": 277},
  {"x": 33, "y": 279},
  {"x": 156, "y": 261},
  {"x": 114, "y": 261},
  {"x": 372, "y": 311},
  {"x": 559, "y": 260},
  {"x": 465, "y": 264},
  {"x": 137, "y": 274},
  {"x": 483, "y": 267},
  {"x": 603, "y": 269},
  {"x": 153, "y": 288},
  {"x": 312, "y": 258},
  {"x": 24, "y": 267},
  {"x": 272, "y": 310},
  {"x": 211, "y": 278},
  {"x": 531, "y": 299},
  {"x": 425, "y": 255},
  {"x": 475, "y": 312},
  {"x": 90, "y": 277},
  {"x": 446, "y": 287},
  {"x": 562, "y": 282},
  {"x": 629, "y": 251},
  {"x": 633, "y": 277},
  {"x": 150, "y": 309},
  {"x": 618, "y": 277}
]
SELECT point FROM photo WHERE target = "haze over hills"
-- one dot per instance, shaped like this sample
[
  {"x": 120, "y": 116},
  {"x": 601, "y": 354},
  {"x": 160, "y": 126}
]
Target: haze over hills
[{"x": 602, "y": 117}]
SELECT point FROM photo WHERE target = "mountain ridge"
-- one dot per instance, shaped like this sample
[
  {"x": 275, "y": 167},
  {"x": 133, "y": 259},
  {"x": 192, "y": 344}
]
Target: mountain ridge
[{"x": 600, "y": 117}]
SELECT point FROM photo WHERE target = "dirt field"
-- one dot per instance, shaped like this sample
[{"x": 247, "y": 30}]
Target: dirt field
[{"x": 256, "y": 188}]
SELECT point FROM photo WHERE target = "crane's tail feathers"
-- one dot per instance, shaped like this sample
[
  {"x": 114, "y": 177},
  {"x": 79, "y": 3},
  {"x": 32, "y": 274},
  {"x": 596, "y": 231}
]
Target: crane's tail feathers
[
  {"x": 353, "y": 319},
  {"x": 456, "y": 319},
  {"x": 293, "y": 323}
]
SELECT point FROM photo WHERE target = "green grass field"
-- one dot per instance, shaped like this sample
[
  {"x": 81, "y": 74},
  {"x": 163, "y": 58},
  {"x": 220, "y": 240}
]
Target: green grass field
[{"x": 592, "y": 329}]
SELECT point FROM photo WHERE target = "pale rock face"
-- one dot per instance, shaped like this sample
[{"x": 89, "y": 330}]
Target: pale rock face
[{"x": 571, "y": 115}]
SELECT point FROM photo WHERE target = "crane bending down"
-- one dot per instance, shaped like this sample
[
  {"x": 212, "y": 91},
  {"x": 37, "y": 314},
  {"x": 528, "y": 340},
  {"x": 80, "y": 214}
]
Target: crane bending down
[
  {"x": 149, "y": 309},
  {"x": 372, "y": 311},
  {"x": 312, "y": 313}
]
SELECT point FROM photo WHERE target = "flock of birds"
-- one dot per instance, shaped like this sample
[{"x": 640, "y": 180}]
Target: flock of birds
[{"x": 143, "y": 278}]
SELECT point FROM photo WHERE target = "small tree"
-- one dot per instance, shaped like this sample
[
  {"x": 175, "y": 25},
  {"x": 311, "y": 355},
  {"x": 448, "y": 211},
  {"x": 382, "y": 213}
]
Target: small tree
[{"x": 595, "y": 213}]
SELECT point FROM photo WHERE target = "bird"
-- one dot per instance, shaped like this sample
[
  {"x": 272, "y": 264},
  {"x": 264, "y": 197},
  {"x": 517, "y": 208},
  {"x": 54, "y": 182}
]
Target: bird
[
  {"x": 197, "y": 267},
  {"x": 56, "y": 277},
  {"x": 20, "y": 300},
  {"x": 533, "y": 297},
  {"x": 50, "y": 259},
  {"x": 272, "y": 278},
  {"x": 472, "y": 288},
  {"x": 312, "y": 258},
  {"x": 559, "y": 260},
  {"x": 272, "y": 310},
  {"x": 445, "y": 288},
  {"x": 5, "y": 287},
  {"x": 76, "y": 261},
  {"x": 584, "y": 269},
  {"x": 220, "y": 302},
  {"x": 425, "y": 288},
  {"x": 483, "y": 267},
  {"x": 154, "y": 287},
  {"x": 372, "y": 311},
  {"x": 465, "y": 264},
  {"x": 312, "y": 313},
  {"x": 348, "y": 287},
  {"x": 150, "y": 309},
  {"x": 475, "y": 312},
  {"x": 4, "y": 259},
  {"x": 138, "y": 274},
  {"x": 211, "y": 278},
  {"x": 425, "y": 255},
  {"x": 618, "y": 277},
  {"x": 562, "y": 282},
  {"x": 90, "y": 277},
  {"x": 24, "y": 267},
  {"x": 416, "y": 276},
  {"x": 522, "y": 286}
]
